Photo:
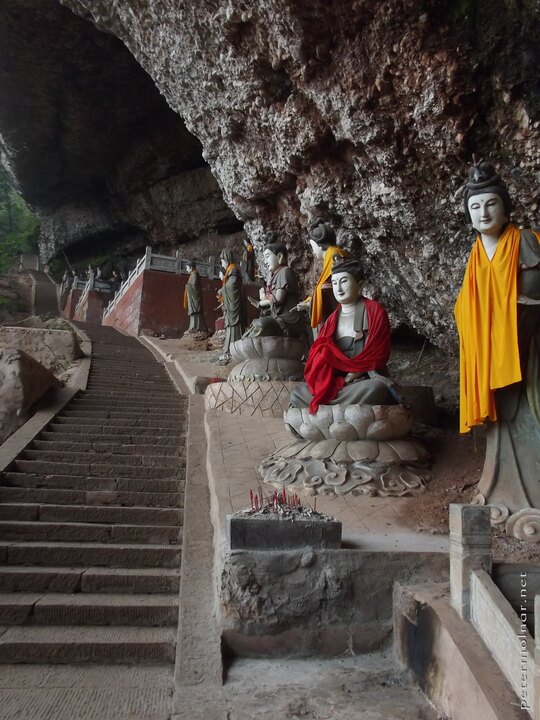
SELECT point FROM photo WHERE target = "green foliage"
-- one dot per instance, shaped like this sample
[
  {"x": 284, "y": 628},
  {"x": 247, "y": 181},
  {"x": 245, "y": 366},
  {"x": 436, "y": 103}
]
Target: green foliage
[{"x": 19, "y": 227}]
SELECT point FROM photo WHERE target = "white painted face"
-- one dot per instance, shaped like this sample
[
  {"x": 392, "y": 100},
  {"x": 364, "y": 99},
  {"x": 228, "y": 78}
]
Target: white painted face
[
  {"x": 271, "y": 261},
  {"x": 188, "y": 268},
  {"x": 487, "y": 213},
  {"x": 224, "y": 264},
  {"x": 346, "y": 289},
  {"x": 317, "y": 250}
]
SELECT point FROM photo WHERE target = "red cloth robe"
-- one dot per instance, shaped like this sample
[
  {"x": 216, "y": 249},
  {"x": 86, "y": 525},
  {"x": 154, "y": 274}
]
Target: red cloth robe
[{"x": 326, "y": 363}]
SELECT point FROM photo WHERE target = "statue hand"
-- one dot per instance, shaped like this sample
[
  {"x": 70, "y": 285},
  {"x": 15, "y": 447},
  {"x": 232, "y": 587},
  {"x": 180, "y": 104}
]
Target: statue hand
[
  {"x": 351, "y": 377},
  {"x": 303, "y": 306}
]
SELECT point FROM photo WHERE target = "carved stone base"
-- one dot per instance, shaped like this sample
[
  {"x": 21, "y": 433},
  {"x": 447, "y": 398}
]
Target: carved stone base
[
  {"x": 264, "y": 347},
  {"x": 361, "y": 467},
  {"x": 268, "y": 369},
  {"x": 523, "y": 524},
  {"x": 269, "y": 399}
]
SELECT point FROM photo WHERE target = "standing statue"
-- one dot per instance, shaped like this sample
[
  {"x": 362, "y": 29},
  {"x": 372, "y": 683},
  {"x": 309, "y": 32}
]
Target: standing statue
[
  {"x": 321, "y": 302},
  {"x": 193, "y": 300},
  {"x": 248, "y": 260},
  {"x": 230, "y": 295},
  {"x": 346, "y": 363},
  {"x": 279, "y": 299},
  {"x": 497, "y": 314}
]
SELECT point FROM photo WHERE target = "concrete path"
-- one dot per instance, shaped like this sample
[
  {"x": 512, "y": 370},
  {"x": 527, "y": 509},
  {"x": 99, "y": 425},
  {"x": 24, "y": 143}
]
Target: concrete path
[{"x": 44, "y": 297}]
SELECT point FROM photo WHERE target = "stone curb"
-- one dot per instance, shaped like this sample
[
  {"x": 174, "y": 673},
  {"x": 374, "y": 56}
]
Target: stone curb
[{"x": 174, "y": 368}]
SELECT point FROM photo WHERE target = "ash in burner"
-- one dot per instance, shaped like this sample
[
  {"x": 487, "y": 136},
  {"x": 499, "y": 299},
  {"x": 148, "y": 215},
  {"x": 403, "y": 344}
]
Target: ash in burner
[{"x": 281, "y": 507}]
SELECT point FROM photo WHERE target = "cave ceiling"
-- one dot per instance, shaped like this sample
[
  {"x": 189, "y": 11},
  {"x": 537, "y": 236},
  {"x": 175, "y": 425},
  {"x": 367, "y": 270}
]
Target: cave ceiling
[{"x": 363, "y": 112}]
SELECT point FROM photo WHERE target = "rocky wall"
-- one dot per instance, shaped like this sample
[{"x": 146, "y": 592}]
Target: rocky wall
[{"x": 360, "y": 111}]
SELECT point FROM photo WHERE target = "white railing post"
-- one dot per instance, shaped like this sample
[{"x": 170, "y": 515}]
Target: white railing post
[{"x": 470, "y": 549}]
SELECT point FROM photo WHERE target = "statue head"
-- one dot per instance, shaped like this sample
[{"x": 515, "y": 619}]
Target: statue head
[
  {"x": 275, "y": 254},
  {"x": 321, "y": 236},
  {"x": 226, "y": 257},
  {"x": 191, "y": 265},
  {"x": 483, "y": 180},
  {"x": 347, "y": 281}
]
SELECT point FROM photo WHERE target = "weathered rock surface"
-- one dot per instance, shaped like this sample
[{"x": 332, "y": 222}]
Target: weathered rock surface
[
  {"x": 23, "y": 381},
  {"x": 96, "y": 151},
  {"x": 363, "y": 113},
  {"x": 54, "y": 349}
]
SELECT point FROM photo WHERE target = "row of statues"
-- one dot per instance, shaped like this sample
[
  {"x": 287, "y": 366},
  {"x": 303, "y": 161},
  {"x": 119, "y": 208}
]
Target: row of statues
[{"x": 346, "y": 382}]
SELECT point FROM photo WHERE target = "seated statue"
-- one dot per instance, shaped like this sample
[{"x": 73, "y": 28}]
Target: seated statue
[
  {"x": 278, "y": 300},
  {"x": 346, "y": 363},
  {"x": 498, "y": 318},
  {"x": 322, "y": 240},
  {"x": 193, "y": 300}
]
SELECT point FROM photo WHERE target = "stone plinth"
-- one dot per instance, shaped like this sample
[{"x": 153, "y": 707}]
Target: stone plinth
[
  {"x": 269, "y": 399},
  {"x": 271, "y": 532}
]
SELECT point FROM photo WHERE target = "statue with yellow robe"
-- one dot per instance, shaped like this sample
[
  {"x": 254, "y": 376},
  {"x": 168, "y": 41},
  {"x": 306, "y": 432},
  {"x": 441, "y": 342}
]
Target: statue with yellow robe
[
  {"x": 321, "y": 303},
  {"x": 498, "y": 319}
]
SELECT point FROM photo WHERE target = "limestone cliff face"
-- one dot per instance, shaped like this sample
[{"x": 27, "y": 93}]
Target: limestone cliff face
[
  {"x": 94, "y": 148},
  {"x": 364, "y": 112}
]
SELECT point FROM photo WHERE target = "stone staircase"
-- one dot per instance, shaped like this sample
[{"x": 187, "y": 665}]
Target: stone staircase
[{"x": 91, "y": 519}]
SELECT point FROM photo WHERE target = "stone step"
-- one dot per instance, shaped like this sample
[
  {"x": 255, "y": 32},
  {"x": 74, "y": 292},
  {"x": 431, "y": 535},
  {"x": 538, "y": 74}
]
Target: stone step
[
  {"x": 125, "y": 555},
  {"x": 26, "y": 578},
  {"x": 145, "y": 450},
  {"x": 98, "y": 484},
  {"x": 134, "y": 515},
  {"x": 131, "y": 433},
  {"x": 97, "y": 469},
  {"x": 155, "y": 610},
  {"x": 115, "y": 460},
  {"x": 89, "y": 402},
  {"x": 80, "y": 532},
  {"x": 115, "y": 390},
  {"x": 120, "y": 383},
  {"x": 84, "y": 644},
  {"x": 125, "y": 440},
  {"x": 150, "y": 414},
  {"x": 54, "y": 496},
  {"x": 158, "y": 425}
]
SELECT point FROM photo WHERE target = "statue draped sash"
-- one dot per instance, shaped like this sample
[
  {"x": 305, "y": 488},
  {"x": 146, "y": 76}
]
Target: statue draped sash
[
  {"x": 326, "y": 365},
  {"x": 317, "y": 299},
  {"x": 486, "y": 318}
]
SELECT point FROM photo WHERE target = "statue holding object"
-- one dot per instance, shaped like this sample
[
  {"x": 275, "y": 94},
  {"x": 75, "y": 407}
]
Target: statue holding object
[
  {"x": 278, "y": 300},
  {"x": 497, "y": 314},
  {"x": 193, "y": 300}
]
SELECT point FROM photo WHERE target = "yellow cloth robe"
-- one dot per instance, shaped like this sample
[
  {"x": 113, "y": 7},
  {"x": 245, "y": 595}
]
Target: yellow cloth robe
[
  {"x": 486, "y": 318},
  {"x": 317, "y": 299}
]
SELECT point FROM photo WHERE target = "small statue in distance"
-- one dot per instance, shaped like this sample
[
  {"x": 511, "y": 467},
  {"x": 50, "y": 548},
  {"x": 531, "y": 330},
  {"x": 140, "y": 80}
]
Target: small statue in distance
[
  {"x": 248, "y": 260},
  {"x": 322, "y": 240},
  {"x": 497, "y": 313},
  {"x": 193, "y": 301},
  {"x": 279, "y": 299}
]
